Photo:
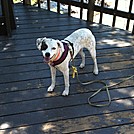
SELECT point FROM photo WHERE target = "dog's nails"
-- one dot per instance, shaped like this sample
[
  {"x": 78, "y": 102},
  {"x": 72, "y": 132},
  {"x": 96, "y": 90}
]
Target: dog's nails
[
  {"x": 65, "y": 93},
  {"x": 82, "y": 66},
  {"x": 50, "y": 89}
]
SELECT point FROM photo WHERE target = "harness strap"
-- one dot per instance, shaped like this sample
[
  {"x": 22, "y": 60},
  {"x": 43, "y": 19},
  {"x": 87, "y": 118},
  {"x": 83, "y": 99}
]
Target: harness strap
[{"x": 71, "y": 52}]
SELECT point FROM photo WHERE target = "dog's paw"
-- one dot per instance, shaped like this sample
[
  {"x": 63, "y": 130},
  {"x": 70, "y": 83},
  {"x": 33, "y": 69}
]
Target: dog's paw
[
  {"x": 96, "y": 71},
  {"x": 65, "y": 92},
  {"x": 50, "y": 89},
  {"x": 82, "y": 65}
]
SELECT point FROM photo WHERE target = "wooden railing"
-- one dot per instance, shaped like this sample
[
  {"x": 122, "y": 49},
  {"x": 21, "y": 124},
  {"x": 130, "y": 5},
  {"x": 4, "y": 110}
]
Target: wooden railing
[
  {"x": 91, "y": 8},
  {"x": 7, "y": 20}
]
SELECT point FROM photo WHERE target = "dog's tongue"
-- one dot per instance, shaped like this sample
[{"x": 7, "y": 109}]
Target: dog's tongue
[{"x": 46, "y": 59}]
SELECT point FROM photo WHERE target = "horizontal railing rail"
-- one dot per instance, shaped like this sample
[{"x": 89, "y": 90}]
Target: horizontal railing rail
[{"x": 92, "y": 7}]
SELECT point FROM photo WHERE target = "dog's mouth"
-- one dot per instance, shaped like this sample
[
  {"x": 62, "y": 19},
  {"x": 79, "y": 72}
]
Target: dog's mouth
[{"x": 47, "y": 59}]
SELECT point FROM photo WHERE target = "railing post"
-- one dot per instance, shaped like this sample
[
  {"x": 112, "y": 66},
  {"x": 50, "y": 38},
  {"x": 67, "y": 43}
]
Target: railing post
[
  {"x": 101, "y": 13},
  {"x": 48, "y": 5},
  {"x": 38, "y": 2},
  {"x": 8, "y": 16},
  {"x": 69, "y": 8},
  {"x": 133, "y": 29},
  {"x": 130, "y": 11},
  {"x": 26, "y": 2},
  {"x": 12, "y": 1},
  {"x": 81, "y": 9},
  {"x": 5, "y": 13},
  {"x": 90, "y": 13},
  {"x": 11, "y": 15},
  {"x": 115, "y": 11},
  {"x": 58, "y": 6}
]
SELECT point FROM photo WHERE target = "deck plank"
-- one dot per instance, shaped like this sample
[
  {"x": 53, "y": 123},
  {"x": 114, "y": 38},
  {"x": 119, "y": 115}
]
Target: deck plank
[
  {"x": 67, "y": 113},
  {"x": 73, "y": 100},
  {"x": 25, "y": 105},
  {"x": 87, "y": 123}
]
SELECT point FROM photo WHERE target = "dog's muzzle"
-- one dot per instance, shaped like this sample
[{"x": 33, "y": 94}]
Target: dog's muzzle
[
  {"x": 55, "y": 57},
  {"x": 47, "y": 57}
]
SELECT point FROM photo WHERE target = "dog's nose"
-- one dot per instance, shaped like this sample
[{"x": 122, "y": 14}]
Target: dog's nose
[{"x": 47, "y": 54}]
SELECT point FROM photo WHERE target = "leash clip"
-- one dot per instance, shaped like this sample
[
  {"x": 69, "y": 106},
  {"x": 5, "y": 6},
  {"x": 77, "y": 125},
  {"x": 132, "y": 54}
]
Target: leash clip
[{"x": 74, "y": 69}]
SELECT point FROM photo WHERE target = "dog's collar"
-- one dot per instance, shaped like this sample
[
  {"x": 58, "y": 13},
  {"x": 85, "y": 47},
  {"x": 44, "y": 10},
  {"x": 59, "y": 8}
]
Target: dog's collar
[{"x": 63, "y": 56}]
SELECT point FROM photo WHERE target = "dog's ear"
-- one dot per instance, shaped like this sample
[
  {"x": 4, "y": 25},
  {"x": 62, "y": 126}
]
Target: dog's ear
[
  {"x": 60, "y": 44},
  {"x": 38, "y": 42}
]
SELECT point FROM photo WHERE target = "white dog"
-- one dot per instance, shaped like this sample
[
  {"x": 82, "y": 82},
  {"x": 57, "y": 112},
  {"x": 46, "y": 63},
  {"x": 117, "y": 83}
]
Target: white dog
[{"x": 58, "y": 54}]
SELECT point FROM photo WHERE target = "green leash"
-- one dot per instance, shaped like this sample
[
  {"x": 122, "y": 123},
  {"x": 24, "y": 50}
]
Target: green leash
[{"x": 105, "y": 87}]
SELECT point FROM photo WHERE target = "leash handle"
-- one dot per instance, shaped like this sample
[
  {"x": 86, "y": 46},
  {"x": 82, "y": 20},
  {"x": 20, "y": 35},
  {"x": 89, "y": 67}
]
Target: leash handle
[
  {"x": 107, "y": 90},
  {"x": 98, "y": 91}
]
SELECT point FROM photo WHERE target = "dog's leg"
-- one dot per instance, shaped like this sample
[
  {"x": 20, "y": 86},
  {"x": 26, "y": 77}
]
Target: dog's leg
[
  {"x": 53, "y": 77},
  {"x": 82, "y": 65},
  {"x": 93, "y": 55},
  {"x": 66, "y": 80}
]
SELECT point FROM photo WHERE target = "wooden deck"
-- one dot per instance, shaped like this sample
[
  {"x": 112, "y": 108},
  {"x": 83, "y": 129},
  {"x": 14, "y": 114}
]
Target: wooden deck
[{"x": 26, "y": 107}]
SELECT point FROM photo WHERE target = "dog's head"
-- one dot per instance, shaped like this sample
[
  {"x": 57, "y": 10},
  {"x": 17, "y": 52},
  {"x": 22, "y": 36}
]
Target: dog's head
[{"x": 49, "y": 47}]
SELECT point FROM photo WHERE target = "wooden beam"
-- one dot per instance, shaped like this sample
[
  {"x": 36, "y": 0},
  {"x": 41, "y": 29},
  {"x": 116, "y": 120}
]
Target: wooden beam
[
  {"x": 69, "y": 8},
  {"x": 58, "y": 6},
  {"x": 90, "y": 12},
  {"x": 48, "y": 5},
  {"x": 5, "y": 14},
  {"x": 26, "y": 2},
  {"x": 101, "y": 13},
  {"x": 38, "y": 2},
  {"x": 133, "y": 29},
  {"x": 130, "y": 11},
  {"x": 115, "y": 12},
  {"x": 81, "y": 9},
  {"x": 11, "y": 15}
]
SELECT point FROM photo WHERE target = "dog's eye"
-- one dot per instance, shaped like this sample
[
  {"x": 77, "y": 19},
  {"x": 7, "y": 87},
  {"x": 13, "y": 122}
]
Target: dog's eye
[
  {"x": 44, "y": 46},
  {"x": 53, "y": 48}
]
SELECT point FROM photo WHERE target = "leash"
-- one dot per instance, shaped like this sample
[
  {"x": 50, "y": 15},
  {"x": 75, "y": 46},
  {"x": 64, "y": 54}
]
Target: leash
[{"x": 105, "y": 87}]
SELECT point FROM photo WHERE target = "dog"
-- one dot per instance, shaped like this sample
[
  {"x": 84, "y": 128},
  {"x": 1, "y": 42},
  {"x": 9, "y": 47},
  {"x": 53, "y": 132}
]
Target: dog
[{"x": 58, "y": 54}]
